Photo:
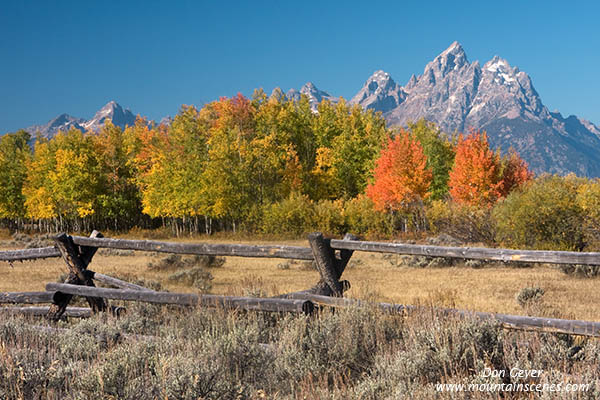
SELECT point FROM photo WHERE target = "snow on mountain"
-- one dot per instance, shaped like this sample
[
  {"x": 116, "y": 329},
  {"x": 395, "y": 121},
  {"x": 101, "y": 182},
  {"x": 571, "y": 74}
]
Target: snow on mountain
[
  {"x": 499, "y": 98},
  {"x": 111, "y": 111},
  {"x": 62, "y": 122},
  {"x": 380, "y": 92},
  {"x": 315, "y": 95}
]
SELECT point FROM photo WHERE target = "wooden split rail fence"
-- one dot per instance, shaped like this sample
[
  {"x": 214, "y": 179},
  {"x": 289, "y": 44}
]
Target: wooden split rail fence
[{"x": 331, "y": 256}]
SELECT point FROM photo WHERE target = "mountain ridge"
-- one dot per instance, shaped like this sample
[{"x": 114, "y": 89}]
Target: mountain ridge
[
  {"x": 457, "y": 95},
  {"x": 110, "y": 111}
]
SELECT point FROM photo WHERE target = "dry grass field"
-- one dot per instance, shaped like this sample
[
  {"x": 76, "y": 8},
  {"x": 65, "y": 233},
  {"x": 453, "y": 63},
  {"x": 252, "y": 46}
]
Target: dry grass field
[{"x": 491, "y": 288}]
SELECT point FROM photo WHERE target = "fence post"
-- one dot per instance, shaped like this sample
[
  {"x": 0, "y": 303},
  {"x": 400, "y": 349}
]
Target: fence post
[
  {"x": 77, "y": 259},
  {"x": 329, "y": 266},
  {"x": 345, "y": 256}
]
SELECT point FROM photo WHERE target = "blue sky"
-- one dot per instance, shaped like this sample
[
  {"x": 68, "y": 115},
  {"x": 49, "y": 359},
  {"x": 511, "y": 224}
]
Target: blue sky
[{"x": 152, "y": 57}]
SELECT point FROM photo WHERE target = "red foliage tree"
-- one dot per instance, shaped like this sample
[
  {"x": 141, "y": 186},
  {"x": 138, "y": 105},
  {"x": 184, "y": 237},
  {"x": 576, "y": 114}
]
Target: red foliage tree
[
  {"x": 515, "y": 172},
  {"x": 401, "y": 175}
]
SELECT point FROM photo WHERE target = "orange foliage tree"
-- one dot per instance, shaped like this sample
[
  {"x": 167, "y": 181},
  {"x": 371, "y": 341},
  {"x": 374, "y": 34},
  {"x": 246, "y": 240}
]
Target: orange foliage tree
[
  {"x": 401, "y": 175},
  {"x": 479, "y": 176},
  {"x": 475, "y": 178}
]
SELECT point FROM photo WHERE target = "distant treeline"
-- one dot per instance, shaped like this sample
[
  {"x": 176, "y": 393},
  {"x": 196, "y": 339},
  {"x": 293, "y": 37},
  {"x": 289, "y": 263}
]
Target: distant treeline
[{"x": 265, "y": 164}]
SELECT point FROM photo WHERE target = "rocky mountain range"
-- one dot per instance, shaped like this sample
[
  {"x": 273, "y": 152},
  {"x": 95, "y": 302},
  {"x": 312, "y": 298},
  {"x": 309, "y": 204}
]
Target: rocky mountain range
[
  {"x": 111, "y": 111},
  {"x": 456, "y": 94},
  {"x": 496, "y": 97}
]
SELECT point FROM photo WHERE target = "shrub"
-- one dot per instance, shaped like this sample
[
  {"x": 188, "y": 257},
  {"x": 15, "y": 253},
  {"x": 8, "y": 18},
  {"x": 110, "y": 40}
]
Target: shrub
[
  {"x": 475, "y": 264},
  {"x": 529, "y": 295},
  {"x": 293, "y": 215},
  {"x": 22, "y": 240},
  {"x": 362, "y": 218},
  {"x": 216, "y": 354},
  {"x": 544, "y": 214},
  {"x": 588, "y": 198},
  {"x": 328, "y": 217},
  {"x": 176, "y": 261},
  {"x": 406, "y": 260},
  {"x": 466, "y": 223},
  {"x": 197, "y": 277},
  {"x": 581, "y": 271}
]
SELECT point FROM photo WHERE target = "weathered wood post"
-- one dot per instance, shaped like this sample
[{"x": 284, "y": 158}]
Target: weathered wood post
[
  {"x": 329, "y": 266},
  {"x": 77, "y": 259}
]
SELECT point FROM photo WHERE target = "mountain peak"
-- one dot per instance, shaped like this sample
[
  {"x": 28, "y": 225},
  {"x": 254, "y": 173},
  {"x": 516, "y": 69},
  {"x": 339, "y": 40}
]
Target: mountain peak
[
  {"x": 380, "y": 92},
  {"x": 451, "y": 59},
  {"x": 314, "y": 94},
  {"x": 109, "y": 107},
  {"x": 455, "y": 48},
  {"x": 496, "y": 63},
  {"x": 411, "y": 82},
  {"x": 502, "y": 73}
]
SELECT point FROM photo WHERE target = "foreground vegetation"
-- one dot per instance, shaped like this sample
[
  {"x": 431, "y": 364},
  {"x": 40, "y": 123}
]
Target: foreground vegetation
[{"x": 159, "y": 352}]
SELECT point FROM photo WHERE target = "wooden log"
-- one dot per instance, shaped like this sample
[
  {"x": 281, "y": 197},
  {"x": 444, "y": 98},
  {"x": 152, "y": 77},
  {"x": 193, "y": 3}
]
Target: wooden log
[
  {"x": 125, "y": 294},
  {"x": 335, "y": 272},
  {"x": 77, "y": 259},
  {"x": 258, "y": 303},
  {"x": 76, "y": 312},
  {"x": 345, "y": 255},
  {"x": 478, "y": 253},
  {"x": 29, "y": 254},
  {"x": 233, "y": 250},
  {"x": 86, "y": 253},
  {"x": 26, "y": 297},
  {"x": 538, "y": 324},
  {"x": 303, "y": 253},
  {"x": 312, "y": 291},
  {"x": 109, "y": 280},
  {"x": 554, "y": 325},
  {"x": 326, "y": 265},
  {"x": 186, "y": 299},
  {"x": 345, "y": 302}
]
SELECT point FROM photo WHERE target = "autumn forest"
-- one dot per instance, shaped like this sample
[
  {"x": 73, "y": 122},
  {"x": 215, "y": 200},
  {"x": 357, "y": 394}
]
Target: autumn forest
[{"x": 269, "y": 164}]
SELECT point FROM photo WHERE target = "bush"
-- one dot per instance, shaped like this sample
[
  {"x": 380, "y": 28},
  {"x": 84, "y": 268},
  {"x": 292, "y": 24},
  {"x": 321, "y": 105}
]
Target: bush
[
  {"x": 529, "y": 295},
  {"x": 22, "y": 240},
  {"x": 581, "y": 271},
  {"x": 588, "y": 198},
  {"x": 362, "y": 218},
  {"x": 466, "y": 223},
  {"x": 544, "y": 214},
  {"x": 328, "y": 217},
  {"x": 215, "y": 354},
  {"x": 294, "y": 215},
  {"x": 406, "y": 260},
  {"x": 196, "y": 277},
  {"x": 176, "y": 261}
]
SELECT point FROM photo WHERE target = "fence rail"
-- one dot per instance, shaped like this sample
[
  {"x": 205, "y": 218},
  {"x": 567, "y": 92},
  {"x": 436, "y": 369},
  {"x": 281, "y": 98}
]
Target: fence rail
[
  {"x": 78, "y": 251},
  {"x": 29, "y": 254},
  {"x": 305, "y": 253},
  {"x": 478, "y": 253}
]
